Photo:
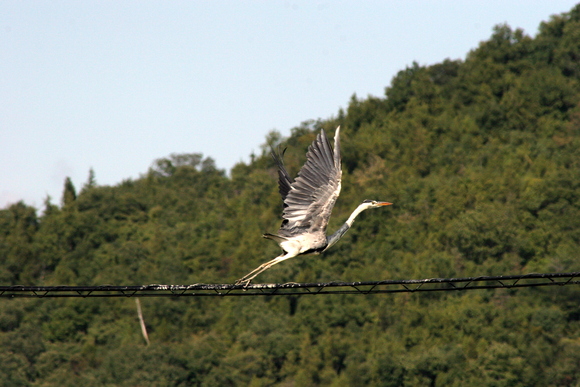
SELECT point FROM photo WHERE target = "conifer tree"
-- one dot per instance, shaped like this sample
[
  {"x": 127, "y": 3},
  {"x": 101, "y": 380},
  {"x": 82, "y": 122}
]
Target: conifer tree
[{"x": 69, "y": 194}]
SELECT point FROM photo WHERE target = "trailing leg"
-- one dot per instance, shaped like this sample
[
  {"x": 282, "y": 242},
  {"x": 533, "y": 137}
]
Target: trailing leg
[{"x": 245, "y": 280}]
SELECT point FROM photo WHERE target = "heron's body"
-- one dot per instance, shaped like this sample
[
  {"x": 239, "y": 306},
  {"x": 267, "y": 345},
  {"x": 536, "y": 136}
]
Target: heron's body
[{"x": 308, "y": 203}]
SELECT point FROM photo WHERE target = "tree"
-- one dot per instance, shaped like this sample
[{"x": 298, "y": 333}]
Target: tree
[{"x": 69, "y": 194}]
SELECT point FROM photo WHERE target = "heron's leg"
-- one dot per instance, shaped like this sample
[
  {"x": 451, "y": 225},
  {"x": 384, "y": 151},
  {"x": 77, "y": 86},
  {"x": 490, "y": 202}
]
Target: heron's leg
[{"x": 245, "y": 280}]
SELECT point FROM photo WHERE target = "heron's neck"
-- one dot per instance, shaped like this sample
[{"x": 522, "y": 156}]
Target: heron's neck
[
  {"x": 332, "y": 239},
  {"x": 355, "y": 213}
]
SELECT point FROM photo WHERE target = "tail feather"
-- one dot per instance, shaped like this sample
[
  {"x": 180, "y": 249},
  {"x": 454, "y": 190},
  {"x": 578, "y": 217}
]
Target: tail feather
[{"x": 277, "y": 238}]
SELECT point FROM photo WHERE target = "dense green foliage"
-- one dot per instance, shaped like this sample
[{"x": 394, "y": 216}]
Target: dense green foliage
[{"x": 482, "y": 160}]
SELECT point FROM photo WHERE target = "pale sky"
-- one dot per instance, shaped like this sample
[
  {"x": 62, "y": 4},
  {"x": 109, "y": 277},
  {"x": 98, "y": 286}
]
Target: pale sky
[{"x": 114, "y": 85}]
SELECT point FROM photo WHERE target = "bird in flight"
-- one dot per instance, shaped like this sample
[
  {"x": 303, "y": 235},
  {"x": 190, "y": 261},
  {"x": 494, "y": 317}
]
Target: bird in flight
[{"x": 308, "y": 202}]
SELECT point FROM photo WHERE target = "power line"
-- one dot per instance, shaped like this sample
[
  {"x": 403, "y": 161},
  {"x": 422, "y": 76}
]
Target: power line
[{"x": 292, "y": 288}]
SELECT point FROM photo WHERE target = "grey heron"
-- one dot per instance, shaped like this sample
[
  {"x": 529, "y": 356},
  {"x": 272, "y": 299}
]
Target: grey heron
[{"x": 308, "y": 202}]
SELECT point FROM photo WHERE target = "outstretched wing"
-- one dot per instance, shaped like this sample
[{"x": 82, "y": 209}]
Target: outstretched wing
[
  {"x": 309, "y": 202},
  {"x": 284, "y": 181}
]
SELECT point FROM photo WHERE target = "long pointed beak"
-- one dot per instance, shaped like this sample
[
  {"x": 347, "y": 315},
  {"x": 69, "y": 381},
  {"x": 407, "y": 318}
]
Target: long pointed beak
[{"x": 384, "y": 203}]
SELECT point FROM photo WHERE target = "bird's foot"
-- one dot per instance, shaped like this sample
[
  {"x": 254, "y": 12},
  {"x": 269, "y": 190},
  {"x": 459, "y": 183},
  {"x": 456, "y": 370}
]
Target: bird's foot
[{"x": 243, "y": 281}]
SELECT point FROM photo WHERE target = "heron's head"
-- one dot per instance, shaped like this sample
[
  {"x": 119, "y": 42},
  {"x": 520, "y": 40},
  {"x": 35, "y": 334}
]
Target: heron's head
[{"x": 374, "y": 204}]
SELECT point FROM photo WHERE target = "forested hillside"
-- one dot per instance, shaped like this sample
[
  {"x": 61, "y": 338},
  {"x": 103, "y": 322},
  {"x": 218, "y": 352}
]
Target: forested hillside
[{"x": 481, "y": 158}]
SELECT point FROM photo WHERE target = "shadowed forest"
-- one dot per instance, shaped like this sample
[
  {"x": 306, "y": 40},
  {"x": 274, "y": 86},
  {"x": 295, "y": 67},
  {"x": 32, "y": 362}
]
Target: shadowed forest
[{"x": 481, "y": 158}]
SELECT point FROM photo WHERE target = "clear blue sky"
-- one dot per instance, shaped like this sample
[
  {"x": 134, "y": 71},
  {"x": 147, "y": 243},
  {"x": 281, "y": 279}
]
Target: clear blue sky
[{"x": 114, "y": 85}]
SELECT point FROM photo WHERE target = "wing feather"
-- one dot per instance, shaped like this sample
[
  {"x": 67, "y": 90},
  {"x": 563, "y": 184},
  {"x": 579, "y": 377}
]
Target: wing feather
[
  {"x": 284, "y": 181},
  {"x": 311, "y": 197}
]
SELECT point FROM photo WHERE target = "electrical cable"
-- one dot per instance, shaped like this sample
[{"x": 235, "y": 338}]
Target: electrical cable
[{"x": 292, "y": 288}]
